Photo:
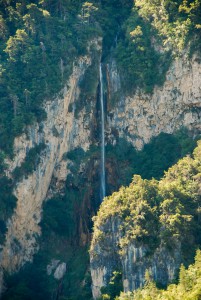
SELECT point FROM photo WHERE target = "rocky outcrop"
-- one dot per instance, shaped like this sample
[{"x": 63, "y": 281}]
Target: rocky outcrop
[
  {"x": 104, "y": 258},
  {"x": 176, "y": 104},
  {"x": 162, "y": 265},
  {"x": 58, "y": 269},
  {"x": 61, "y": 132},
  {"x": 133, "y": 261}
]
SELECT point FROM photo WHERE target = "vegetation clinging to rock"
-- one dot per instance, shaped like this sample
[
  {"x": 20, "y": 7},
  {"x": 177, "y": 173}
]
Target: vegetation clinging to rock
[
  {"x": 155, "y": 32},
  {"x": 153, "y": 212},
  {"x": 188, "y": 288},
  {"x": 38, "y": 43}
]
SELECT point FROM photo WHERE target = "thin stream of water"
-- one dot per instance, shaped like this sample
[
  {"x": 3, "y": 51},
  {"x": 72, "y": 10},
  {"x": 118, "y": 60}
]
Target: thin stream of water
[{"x": 102, "y": 136}]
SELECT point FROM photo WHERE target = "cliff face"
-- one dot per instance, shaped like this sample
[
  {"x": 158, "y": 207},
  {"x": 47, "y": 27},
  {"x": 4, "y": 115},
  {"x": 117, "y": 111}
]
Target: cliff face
[
  {"x": 148, "y": 226},
  {"x": 176, "y": 104},
  {"x": 133, "y": 261},
  {"x": 61, "y": 132},
  {"x": 162, "y": 265},
  {"x": 137, "y": 119}
]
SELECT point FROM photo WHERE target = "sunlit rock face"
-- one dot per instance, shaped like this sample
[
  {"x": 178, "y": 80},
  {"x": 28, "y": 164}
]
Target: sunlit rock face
[
  {"x": 137, "y": 118},
  {"x": 162, "y": 265},
  {"x": 176, "y": 104},
  {"x": 61, "y": 132}
]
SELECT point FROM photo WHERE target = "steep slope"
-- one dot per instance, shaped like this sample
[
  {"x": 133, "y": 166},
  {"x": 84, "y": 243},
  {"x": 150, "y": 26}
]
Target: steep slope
[
  {"x": 150, "y": 225},
  {"x": 141, "y": 116},
  {"x": 31, "y": 191}
]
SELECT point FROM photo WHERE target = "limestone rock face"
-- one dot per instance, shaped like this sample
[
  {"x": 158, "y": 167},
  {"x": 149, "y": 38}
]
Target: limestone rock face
[
  {"x": 60, "y": 132},
  {"x": 137, "y": 118},
  {"x": 133, "y": 261},
  {"x": 163, "y": 265},
  {"x": 175, "y": 104},
  {"x": 60, "y": 271},
  {"x": 104, "y": 258}
]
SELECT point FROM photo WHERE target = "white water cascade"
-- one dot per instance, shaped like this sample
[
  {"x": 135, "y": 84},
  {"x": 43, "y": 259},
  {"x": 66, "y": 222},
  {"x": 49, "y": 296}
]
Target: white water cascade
[{"x": 102, "y": 135}]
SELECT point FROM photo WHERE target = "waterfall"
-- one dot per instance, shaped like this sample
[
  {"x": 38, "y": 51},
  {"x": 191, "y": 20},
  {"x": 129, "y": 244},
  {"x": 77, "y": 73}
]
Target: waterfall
[{"x": 102, "y": 136}]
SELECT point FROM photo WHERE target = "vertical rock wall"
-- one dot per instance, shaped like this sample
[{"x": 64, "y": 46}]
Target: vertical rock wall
[
  {"x": 61, "y": 132},
  {"x": 133, "y": 261},
  {"x": 176, "y": 104},
  {"x": 137, "y": 118}
]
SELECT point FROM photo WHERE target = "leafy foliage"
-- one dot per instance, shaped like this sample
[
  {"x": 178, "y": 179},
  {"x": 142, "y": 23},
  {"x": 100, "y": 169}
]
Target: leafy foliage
[
  {"x": 30, "y": 283},
  {"x": 39, "y": 40},
  {"x": 114, "y": 287},
  {"x": 58, "y": 217},
  {"x": 156, "y": 157},
  {"x": 176, "y": 22},
  {"x": 154, "y": 212},
  {"x": 140, "y": 64},
  {"x": 60, "y": 236},
  {"x": 7, "y": 204},
  {"x": 112, "y": 15}
]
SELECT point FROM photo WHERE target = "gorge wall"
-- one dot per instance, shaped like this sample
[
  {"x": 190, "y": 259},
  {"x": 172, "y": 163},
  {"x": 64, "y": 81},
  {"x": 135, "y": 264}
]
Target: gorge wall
[
  {"x": 52, "y": 55},
  {"x": 133, "y": 261},
  {"x": 136, "y": 118},
  {"x": 177, "y": 103},
  {"x": 61, "y": 132}
]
